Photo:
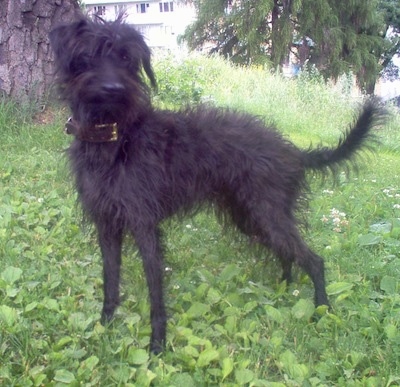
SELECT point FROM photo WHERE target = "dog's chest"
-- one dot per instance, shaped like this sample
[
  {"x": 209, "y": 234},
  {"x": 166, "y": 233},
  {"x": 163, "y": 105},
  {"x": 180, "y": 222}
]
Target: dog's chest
[{"x": 121, "y": 190}]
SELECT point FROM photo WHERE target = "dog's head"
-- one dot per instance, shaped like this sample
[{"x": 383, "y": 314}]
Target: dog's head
[{"x": 100, "y": 71}]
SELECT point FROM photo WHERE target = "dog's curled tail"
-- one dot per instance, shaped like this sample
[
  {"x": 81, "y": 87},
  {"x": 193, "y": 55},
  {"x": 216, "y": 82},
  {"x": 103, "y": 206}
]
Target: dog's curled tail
[{"x": 360, "y": 135}]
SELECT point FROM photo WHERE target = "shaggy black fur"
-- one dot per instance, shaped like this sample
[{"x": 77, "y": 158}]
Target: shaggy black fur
[{"x": 135, "y": 165}]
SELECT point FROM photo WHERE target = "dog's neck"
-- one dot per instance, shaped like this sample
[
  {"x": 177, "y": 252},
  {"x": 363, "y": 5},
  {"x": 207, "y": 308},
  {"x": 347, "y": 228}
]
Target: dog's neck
[{"x": 96, "y": 133}]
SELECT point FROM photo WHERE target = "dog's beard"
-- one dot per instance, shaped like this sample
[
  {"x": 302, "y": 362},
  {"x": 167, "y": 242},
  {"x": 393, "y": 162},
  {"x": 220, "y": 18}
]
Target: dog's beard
[
  {"x": 99, "y": 110},
  {"x": 93, "y": 105}
]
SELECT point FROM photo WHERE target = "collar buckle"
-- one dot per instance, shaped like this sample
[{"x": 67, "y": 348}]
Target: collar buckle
[{"x": 97, "y": 133}]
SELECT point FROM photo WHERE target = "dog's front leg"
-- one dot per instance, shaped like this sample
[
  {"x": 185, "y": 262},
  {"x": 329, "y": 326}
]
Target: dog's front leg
[
  {"x": 148, "y": 241},
  {"x": 110, "y": 241}
]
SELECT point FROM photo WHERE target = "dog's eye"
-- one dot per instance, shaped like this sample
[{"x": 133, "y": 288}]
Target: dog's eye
[
  {"x": 80, "y": 64},
  {"x": 125, "y": 57}
]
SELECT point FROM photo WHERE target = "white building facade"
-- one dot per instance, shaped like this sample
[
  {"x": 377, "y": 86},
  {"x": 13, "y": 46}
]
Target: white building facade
[{"x": 160, "y": 22}]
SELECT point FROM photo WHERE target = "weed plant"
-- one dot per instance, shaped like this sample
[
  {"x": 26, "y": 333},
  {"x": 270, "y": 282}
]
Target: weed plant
[{"x": 232, "y": 323}]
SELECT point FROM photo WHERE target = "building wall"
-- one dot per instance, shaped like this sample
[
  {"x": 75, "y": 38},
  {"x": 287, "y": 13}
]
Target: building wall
[{"x": 160, "y": 22}]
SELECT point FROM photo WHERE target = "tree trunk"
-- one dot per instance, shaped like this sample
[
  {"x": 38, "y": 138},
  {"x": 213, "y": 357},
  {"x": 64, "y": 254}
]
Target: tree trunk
[{"x": 26, "y": 66}]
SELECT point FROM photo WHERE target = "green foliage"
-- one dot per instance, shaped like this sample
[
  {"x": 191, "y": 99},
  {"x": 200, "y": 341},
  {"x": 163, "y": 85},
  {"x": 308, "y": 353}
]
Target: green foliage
[
  {"x": 338, "y": 37},
  {"x": 232, "y": 322},
  {"x": 348, "y": 36},
  {"x": 391, "y": 13},
  {"x": 239, "y": 30},
  {"x": 179, "y": 82}
]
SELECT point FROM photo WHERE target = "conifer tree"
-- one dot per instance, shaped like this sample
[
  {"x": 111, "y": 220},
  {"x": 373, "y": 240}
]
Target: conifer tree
[
  {"x": 348, "y": 36},
  {"x": 391, "y": 13},
  {"x": 336, "y": 36}
]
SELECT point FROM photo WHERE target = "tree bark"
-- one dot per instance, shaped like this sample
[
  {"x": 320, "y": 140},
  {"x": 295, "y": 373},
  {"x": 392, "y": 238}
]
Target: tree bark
[{"x": 26, "y": 66}]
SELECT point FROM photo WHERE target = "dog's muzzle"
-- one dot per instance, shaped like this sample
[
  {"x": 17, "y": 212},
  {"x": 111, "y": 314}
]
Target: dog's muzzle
[{"x": 96, "y": 133}]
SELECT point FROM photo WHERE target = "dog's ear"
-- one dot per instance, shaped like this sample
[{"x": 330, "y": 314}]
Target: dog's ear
[
  {"x": 145, "y": 55},
  {"x": 137, "y": 45},
  {"x": 57, "y": 38},
  {"x": 146, "y": 63},
  {"x": 61, "y": 36}
]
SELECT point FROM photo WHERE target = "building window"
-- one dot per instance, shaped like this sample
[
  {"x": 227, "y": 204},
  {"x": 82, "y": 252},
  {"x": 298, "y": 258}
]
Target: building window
[
  {"x": 142, "y": 7},
  {"x": 167, "y": 6},
  {"x": 120, "y": 9},
  {"x": 100, "y": 10}
]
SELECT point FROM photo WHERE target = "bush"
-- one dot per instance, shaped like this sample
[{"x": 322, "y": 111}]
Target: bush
[{"x": 179, "y": 81}]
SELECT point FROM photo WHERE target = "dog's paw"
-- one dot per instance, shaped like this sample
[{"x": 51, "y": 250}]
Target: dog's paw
[
  {"x": 106, "y": 316},
  {"x": 156, "y": 347}
]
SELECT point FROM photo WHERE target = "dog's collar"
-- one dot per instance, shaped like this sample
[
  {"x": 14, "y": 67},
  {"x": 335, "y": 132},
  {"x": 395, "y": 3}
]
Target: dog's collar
[{"x": 97, "y": 133}]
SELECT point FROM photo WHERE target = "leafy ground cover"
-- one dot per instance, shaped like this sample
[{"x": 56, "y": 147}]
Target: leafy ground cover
[{"x": 232, "y": 323}]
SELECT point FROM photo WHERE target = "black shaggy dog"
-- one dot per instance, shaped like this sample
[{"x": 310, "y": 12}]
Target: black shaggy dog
[{"x": 135, "y": 165}]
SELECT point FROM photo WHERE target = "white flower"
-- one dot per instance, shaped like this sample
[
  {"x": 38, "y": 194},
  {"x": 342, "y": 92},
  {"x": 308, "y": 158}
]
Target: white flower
[{"x": 337, "y": 218}]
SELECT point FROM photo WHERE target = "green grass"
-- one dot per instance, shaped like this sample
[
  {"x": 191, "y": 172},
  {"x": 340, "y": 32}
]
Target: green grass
[{"x": 231, "y": 322}]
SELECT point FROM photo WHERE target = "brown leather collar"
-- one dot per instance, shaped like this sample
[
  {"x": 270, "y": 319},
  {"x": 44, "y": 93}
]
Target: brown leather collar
[{"x": 97, "y": 133}]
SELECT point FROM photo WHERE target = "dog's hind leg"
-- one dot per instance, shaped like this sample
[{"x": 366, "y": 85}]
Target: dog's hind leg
[
  {"x": 283, "y": 238},
  {"x": 287, "y": 244},
  {"x": 287, "y": 270},
  {"x": 274, "y": 226},
  {"x": 148, "y": 242},
  {"x": 110, "y": 241}
]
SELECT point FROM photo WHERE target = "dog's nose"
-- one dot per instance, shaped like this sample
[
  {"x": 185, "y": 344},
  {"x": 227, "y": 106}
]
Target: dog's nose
[{"x": 113, "y": 86}]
